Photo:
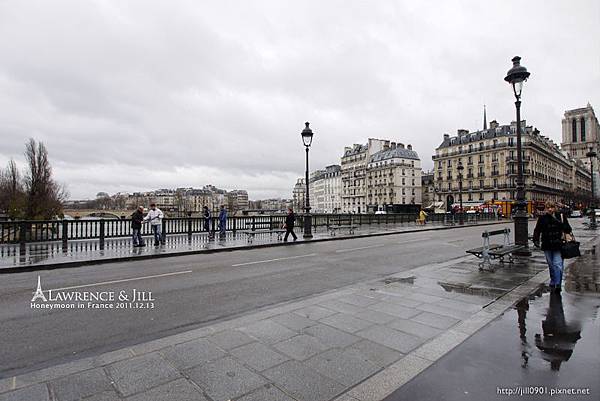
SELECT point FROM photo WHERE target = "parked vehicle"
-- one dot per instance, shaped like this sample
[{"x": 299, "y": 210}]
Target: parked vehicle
[{"x": 576, "y": 213}]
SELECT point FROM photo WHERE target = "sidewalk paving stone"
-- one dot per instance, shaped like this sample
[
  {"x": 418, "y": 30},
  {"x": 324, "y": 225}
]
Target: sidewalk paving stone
[
  {"x": 440, "y": 310},
  {"x": 38, "y": 392},
  {"x": 301, "y": 347},
  {"x": 141, "y": 373},
  {"x": 414, "y": 328},
  {"x": 303, "y": 383},
  {"x": 344, "y": 367},
  {"x": 266, "y": 393},
  {"x": 341, "y": 307},
  {"x": 258, "y": 356},
  {"x": 331, "y": 337},
  {"x": 394, "y": 309},
  {"x": 391, "y": 338},
  {"x": 359, "y": 300},
  {"x": 225, "y": 379},
  {"x": 229, "y": 339},
  {"x": 80, "y": 385},
  {"x": 268, "y": 331},
  {"x": 373, "y": 352},
  {"x": 314, "y": 312},
  {"x": 435, "y": 320},
  {"x": 192, "y": 353},
  {"x": 374, "y": 316},
  {"x": 458, "y": 305},
  {"x": 402, "y": 300},
  {"x": 178, "y": 390},
  {"x": 293, "y": 321},
  {"x": 346, "y": 322},
  {"x": 104, "y": 396}
]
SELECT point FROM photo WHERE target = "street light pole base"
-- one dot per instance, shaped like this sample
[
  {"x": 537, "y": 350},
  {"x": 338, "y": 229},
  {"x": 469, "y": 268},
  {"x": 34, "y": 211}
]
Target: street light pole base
[{"x": 307, "y": 236}]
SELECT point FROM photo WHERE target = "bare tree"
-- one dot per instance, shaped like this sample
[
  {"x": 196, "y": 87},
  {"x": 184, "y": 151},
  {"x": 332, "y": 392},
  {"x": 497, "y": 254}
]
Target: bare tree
[
  {"x": 45, "y": 197},
  {"x": 12, "y": 195}
]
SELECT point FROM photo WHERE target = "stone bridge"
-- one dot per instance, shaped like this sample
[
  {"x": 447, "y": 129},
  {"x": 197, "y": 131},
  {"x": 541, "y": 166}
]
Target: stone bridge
[{"x": 79, "y": 213}]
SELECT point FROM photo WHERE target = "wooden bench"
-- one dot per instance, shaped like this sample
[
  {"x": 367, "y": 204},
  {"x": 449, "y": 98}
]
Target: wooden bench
[
  {"x": 264, "y": 227},
  {"x": 488, "y": 251}
]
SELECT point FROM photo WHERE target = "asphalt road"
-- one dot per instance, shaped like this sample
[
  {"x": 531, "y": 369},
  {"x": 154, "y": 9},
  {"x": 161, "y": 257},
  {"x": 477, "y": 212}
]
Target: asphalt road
[{"x": 193, "y": 291}]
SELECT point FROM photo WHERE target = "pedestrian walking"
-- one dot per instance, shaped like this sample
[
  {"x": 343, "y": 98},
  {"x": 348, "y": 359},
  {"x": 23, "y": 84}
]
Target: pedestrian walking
[
  {"x": 207, "y": 222},
  {"x": 222, "y": 221},
  {"x": 422, "y": 217},
  {"x": 154, "y": 217},
  {"x": 552, "y": 226},
  {"x": 136, "y": 225},
  {"x": 290, "y": 220}
]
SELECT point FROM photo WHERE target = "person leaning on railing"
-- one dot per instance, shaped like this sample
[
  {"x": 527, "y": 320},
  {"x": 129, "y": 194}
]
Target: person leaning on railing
[
  {"x": 154, "y": 217},
  {"x": 136, "y": 225}
]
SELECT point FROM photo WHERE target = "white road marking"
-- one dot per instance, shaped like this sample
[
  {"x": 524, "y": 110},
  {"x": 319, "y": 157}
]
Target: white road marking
[
  {"x": 119, "y": 281},
  {"x": 415, "y": 240},
  {"x": 359, "y": 248},
  {"x": 273, "y": 260}
]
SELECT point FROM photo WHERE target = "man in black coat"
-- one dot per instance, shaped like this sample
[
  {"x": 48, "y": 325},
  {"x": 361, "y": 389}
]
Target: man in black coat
[
  {"x": 290, "y": 220},
  {"x": 136, "y": 225},
  {"x": 551, "y": 226}
]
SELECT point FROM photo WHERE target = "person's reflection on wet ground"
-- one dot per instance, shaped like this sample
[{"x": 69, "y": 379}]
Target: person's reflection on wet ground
[
  {"x": 559, "y": 336},
  {"x": 522, "y": 308}
]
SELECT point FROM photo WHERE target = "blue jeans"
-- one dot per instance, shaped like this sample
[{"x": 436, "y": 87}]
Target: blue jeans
[
  {"x": 555, "y": 265},
  {"x": 137, "y": 237},
  {"x": 156, "y": 230}
]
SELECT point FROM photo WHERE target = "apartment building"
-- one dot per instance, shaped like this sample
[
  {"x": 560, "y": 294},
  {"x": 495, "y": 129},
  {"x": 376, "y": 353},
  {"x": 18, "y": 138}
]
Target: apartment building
[
  {"x": 326, "y": 190},
  {"x": 489, "y": 158}
]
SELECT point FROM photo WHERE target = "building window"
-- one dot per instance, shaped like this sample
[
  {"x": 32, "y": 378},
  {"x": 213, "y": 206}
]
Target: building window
[
  {"x": 481, "y": 196},
  {"x": 574, "y": 130},
  {"x": 582, "y": 129},
  {"x": 470, "y": 196},
  {"x": 470, "y": 148}
]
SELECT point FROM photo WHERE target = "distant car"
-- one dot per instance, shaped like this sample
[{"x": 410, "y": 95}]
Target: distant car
[
  {"x": 576, "y": 213},
  {"x": 471, "y": 211},
  {"x": 597, "y": 212},
  {"x": 381, "y": 212}
]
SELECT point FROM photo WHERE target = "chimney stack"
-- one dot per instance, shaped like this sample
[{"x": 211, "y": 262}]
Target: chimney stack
[{"x": 446, "y": 136}]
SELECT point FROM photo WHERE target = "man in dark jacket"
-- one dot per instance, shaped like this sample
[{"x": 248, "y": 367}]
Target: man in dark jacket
[
  {"x": 290, "y": 220},
  {"x": 207, "y": 222},
  {"x": 136, "y": 225},
  {"x": 552, "y": 225}
]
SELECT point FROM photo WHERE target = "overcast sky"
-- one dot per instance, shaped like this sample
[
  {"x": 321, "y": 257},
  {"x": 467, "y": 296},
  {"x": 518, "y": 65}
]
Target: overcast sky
[{"x": 139, "y": 95}]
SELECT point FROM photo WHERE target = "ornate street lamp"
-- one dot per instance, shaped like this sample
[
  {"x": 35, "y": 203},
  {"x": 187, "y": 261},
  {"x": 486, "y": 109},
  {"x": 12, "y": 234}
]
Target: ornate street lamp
[
  {"x": 460, "y": 169},
  {"x": 307, "y": 136},
  {"x": 592, "y": 155},
  {"x": 516, "y": 76}
]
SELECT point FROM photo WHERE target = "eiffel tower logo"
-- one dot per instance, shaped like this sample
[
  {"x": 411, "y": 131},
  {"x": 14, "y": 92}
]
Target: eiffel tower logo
[{"x": 39, "y": 294}]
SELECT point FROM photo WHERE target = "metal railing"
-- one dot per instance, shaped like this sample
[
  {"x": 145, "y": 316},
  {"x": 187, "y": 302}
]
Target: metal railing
[{"x": 23, "y": 232}]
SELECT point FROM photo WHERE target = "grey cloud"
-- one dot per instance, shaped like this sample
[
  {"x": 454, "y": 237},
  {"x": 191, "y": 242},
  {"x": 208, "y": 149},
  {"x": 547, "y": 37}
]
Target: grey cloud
[{"x": 136, "y": 95}]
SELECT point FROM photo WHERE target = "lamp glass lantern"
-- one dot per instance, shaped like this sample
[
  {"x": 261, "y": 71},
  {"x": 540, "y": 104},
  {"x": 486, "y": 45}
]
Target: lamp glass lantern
[
  {"x": 307, "y": 135},
  {"x": 516, "y": 76}
]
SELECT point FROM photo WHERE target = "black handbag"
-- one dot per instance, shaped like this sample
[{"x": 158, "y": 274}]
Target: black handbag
[{"x": 570, "y": 249}]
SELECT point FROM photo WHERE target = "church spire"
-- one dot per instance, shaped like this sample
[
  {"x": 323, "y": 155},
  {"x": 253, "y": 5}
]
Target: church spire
[{"x": 484, "y": 118}]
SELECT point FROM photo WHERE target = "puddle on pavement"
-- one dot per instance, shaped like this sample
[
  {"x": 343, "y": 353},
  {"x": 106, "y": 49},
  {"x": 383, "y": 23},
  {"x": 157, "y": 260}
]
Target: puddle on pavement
[{"x": 547, "y": 340}]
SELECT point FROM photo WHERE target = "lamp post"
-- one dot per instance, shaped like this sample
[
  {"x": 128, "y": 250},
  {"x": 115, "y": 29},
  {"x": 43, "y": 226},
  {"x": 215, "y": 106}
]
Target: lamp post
[
  {"x": 460, "y": 169},
  {"x": 307, "y": 136},
  {"x": 516, "y": 76},
  {"x": 592, "y": 155}
]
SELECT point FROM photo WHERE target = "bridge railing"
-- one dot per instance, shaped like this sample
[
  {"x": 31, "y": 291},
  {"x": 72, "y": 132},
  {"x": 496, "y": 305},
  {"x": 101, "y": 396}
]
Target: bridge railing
[{"x": 23, "y": 232}]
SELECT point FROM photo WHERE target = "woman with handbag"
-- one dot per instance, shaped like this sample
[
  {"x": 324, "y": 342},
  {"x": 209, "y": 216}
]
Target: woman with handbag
[{"x": 552, "y": 226}]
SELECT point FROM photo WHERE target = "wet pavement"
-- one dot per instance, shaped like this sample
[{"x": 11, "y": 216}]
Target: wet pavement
[{"x": 546, "y": 347}]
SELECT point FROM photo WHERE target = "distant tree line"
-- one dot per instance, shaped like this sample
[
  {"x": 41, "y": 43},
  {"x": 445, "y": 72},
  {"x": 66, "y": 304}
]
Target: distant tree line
[{"x": 32, "y": 194}]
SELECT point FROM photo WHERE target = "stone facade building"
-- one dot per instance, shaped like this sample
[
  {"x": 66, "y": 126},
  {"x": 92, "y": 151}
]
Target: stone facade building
[
  {"x": 394, "y": 179},
  {"x": 326, "y": 190},
  {"x": 490, "y": 167},
  {"x": 299, "y": 195},
  {"x": 427, "y": 189},
  {"x": 580, "y": 132}
]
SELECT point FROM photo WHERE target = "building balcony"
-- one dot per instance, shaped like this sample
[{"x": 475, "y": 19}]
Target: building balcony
[{"x": 480, "y": 175}]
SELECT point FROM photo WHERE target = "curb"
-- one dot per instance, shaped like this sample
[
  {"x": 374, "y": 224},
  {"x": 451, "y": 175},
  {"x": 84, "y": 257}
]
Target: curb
[{"x": 79, "y": 263}]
